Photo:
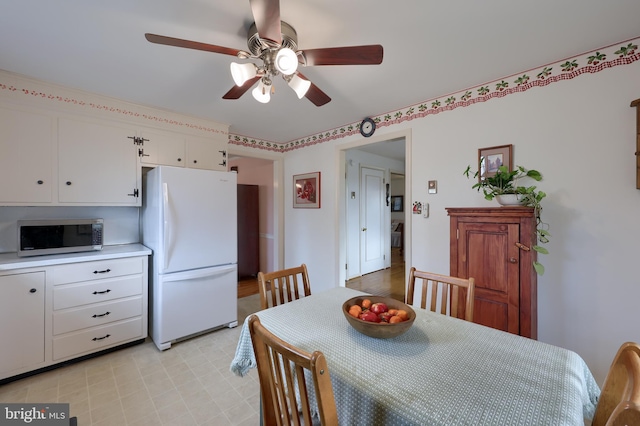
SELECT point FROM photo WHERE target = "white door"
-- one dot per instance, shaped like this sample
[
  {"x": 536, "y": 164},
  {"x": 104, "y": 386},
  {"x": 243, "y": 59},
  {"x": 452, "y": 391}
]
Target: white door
[
  {"x": 191, "y": 302},
  {"x": 200, "y": 220},
  {"x": 22, "y": 330},
  {"x": 97, "y": 163},
  {"x": 372, "y": 211}
]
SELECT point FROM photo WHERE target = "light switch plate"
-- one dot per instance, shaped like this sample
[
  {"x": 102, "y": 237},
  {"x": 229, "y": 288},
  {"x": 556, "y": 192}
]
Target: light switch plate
[{"x": 433, "y": 186}]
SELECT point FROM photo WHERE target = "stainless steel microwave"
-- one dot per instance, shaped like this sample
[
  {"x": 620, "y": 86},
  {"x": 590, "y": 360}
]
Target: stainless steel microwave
[{"x": 38, "y": 237}]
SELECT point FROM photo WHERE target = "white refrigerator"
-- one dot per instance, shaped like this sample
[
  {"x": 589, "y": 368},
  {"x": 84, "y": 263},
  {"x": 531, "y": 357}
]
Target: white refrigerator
[{"x": 189, "y": 220}]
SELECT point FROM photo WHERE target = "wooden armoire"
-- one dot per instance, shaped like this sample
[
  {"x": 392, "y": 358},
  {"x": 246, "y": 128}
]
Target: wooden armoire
[
  {"x": 494, "y": 246},
  {"x": 248, "y": 231}
]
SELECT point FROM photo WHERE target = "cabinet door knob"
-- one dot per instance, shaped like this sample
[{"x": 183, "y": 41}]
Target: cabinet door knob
[
  {"x": 195, "y": 161},
  {"x": 179, "y": 159},
  {"x": 513, "y": 260},
  {"x": 33, "y": 290},
  {"x": 40, "y": 182},
  {"x": 68, "y": 183},
  {"x": 364, "y": 229}
]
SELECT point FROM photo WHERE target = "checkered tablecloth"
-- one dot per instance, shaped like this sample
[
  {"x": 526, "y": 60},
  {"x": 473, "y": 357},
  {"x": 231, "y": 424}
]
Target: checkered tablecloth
[{"x": 443, "y": 371}]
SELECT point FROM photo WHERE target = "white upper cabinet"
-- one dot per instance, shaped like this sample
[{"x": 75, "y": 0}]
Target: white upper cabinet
[
  {"x": 207, "y": 153},
  {"x": 162, "y": 148},
  {"x": 26, "y": 150},
  {"x": 61, "y": 158},
  {"x": 97, "y": 163},
  {"x": 175, "y": 149}
]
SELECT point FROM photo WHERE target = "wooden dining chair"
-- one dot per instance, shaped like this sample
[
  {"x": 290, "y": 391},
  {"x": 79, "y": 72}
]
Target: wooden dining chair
[
  {"x": 283, "y": 286},
  {"x": 284, "y": 387},
  {"x": 443, "y": 291},
  {"x": 619, "y": 402}
]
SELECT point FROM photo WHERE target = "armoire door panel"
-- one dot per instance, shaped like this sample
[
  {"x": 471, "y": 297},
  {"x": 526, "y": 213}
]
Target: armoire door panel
[
  {"x": 483, "y": 245},
  {"x": 492, "y": 313}
]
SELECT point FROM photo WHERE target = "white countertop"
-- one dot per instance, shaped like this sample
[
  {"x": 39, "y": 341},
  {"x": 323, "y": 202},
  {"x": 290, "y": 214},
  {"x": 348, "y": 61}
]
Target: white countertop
[{"x": 10, "y": 261}]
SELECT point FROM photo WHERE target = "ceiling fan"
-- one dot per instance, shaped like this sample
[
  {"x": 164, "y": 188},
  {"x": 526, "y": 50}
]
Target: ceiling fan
[{"x": 276, "y": 43}]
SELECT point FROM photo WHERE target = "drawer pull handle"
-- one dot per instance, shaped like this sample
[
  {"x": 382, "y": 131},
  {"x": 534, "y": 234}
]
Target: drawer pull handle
[
  {"x": 101, "y": 315},
  {"x": 102, "y": 292},
  {"x": 102, "y": 272},
  {"x": 33, "y": 290},
  {"x": 100, "y": 338}
]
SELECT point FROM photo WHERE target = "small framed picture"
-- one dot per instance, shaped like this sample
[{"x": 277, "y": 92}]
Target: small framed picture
[
  {"x": 306, "y": 191},
  {"x": 397, "y": 203},
  {"x": 489, "y": 159}
]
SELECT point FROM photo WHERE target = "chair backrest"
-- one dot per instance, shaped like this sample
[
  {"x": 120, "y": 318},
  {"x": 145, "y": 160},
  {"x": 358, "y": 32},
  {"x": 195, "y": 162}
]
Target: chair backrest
[
  {"x": 283, "y": 286},
  {"x": 284, "y": 386},
  {"x": 619, "y": 402},
  {"x": 444, "y": 292}
]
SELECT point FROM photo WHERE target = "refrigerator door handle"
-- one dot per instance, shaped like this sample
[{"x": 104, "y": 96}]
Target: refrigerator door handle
[
  {"x": 198, "y": 273},
  {"x": 167, "y": 227}
]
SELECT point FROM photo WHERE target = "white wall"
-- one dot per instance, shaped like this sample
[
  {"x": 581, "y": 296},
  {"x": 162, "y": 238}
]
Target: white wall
[
  {"x": 580, "y": 134},
  {"x": 120, "y": 223}
]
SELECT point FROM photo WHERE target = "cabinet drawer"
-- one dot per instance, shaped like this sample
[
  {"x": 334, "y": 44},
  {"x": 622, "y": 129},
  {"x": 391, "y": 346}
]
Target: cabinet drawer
[
  {"x": 72, "y": 295},
  {"x": 94, "y": 339},
  {"x": 96, "y": 314},
  {"x": 85, "y": 271}
]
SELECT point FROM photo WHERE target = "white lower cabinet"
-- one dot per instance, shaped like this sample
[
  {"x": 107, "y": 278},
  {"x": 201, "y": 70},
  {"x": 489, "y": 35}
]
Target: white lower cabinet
[
  {"x": 97, "y": 305},
  {"x": 71, "y": 310},
  {"x": 22, "y": 319}
]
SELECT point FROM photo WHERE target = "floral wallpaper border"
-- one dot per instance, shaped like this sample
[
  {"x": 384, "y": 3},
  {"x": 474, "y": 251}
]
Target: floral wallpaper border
[
  {"x": 622, "y": 53},
  {"x": 50, "y": 95}
]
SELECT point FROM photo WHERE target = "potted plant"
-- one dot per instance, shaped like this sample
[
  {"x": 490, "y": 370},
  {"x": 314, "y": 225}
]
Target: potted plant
[{"x": 505, "y": 183}]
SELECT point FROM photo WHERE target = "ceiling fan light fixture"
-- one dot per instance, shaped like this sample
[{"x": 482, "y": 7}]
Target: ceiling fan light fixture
[
  {"x": 241, "y": 73},
  {"x": 286, "y": 61},
  {"x": 262, "y": 92},
  {"x": 299, "y": 85}
]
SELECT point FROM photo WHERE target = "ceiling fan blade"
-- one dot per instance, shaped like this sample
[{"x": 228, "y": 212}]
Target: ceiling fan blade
[
  {"x": 314, "y": 94},
  {"x": 266, "y": 14},
  {"x": 178, "y": 42},
  {"x": 237, "y": 91},
  {"x": 350, "y": 55}
]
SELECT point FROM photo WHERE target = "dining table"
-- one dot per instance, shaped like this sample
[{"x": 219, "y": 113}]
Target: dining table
[{"x": 442, "y": 371}]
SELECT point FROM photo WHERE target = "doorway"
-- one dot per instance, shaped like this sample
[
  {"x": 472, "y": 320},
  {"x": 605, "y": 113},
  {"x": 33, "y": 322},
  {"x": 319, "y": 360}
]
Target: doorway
[
  {"x": 263, "y": 173},
  {"x": 391, "y": 154}
]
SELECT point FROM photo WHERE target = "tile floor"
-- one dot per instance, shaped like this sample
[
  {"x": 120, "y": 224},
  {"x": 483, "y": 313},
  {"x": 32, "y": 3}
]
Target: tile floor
[{"x": 189, "y": 384}]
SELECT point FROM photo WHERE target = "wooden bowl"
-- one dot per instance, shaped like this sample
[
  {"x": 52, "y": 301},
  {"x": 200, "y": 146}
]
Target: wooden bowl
[{"x": 374, "y": 329}]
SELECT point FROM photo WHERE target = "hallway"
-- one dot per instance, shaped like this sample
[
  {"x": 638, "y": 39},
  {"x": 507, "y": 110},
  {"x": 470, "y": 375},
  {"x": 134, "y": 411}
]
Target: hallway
[{"x": 388, "y": 282}]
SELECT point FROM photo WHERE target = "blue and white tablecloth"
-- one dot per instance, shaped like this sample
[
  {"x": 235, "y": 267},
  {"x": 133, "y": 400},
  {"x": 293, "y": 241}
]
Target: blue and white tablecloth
[{"x": 443, "y": 371}]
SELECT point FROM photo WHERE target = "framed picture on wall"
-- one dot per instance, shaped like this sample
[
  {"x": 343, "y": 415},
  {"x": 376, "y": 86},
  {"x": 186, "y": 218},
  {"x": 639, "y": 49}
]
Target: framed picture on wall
[
  {"x": 306, "y": 191},
  {"x": 397, "y": 203},
  {"x": 489, "y": 159}
]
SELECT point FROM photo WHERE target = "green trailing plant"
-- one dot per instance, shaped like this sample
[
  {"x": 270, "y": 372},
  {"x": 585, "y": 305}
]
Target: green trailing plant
[{"x": 508, "y": 182}]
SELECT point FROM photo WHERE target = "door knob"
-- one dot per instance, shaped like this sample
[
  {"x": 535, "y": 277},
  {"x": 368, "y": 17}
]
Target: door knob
[{"x": 513, "y": 260}]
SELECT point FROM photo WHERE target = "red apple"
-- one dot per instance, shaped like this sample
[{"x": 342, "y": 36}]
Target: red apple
[
  {"x": 385, "y": 316},
  {"x": 378, "y": 308},
  {"x": 369, "y": 317}
]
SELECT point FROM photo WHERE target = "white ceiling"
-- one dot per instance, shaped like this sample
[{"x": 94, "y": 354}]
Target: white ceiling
[{"x": 431, "y": 48}]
